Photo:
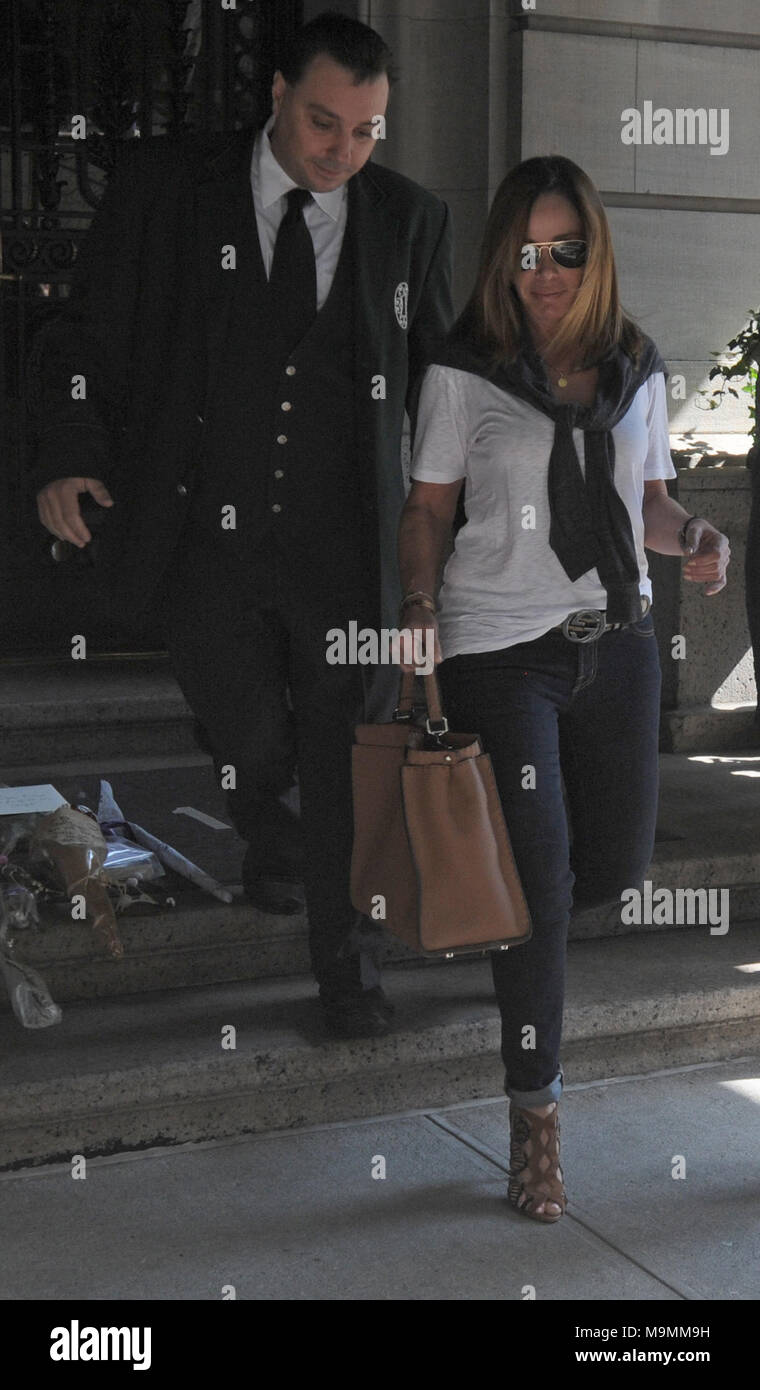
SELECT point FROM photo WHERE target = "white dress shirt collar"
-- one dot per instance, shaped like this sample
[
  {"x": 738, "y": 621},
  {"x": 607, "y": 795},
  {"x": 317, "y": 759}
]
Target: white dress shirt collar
[{"x": 272, "y": 182}]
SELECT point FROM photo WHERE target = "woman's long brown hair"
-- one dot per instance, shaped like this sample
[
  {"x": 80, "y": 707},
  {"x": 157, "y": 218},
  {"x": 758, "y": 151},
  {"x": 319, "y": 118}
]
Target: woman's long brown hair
[{"x": 595, "y": 322}]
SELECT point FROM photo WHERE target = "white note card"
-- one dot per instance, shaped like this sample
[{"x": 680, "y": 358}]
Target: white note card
[{"x": 23, "y": 801}]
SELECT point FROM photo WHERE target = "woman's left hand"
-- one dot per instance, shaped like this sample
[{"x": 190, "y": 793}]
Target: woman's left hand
[{"x": 710, "y": 554}]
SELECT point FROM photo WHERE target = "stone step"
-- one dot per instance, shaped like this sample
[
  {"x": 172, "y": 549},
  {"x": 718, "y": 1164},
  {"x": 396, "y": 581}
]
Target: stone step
[
  {"x": 205, "y": 942},
  {"x": 114, "y": 706},
  {"x": 707, "y": 837},
  {"x": 125, "y": 1074},
  {"x": 95, "y": 708},
  {"x": 704, "y": 726}
]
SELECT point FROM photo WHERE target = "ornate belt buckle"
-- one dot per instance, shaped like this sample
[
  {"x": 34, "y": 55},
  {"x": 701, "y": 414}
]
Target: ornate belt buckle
[{"x": 584, "y": 626}]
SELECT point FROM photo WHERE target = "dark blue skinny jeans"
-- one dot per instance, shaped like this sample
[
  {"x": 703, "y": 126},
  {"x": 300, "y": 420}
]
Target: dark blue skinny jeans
[{"x": 585, "y": 717}]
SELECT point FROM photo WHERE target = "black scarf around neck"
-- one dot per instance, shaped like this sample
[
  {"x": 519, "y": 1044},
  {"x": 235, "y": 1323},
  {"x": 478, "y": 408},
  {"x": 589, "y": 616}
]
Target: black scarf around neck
[{"x": 590, "y": 526}]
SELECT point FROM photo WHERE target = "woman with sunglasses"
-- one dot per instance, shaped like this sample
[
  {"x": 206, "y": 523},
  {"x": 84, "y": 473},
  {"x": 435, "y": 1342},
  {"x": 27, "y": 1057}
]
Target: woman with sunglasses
[{"x": 547, "y": 411}]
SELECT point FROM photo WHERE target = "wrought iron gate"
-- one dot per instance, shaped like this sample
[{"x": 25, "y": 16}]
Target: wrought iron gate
[{"x": 79, "y": 77}]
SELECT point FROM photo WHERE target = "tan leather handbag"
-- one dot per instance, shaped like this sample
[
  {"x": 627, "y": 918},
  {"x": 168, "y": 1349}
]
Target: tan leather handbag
[{"x": 431, "y": 855}]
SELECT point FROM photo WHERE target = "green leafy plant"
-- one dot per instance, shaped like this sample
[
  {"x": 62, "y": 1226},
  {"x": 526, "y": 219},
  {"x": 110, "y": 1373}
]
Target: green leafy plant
[{"x": 741, "y": 370}]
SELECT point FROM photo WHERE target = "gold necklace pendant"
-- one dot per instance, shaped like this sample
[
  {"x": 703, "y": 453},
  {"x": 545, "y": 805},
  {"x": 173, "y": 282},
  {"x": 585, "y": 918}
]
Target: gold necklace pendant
[{"x": 562, "y": 380}]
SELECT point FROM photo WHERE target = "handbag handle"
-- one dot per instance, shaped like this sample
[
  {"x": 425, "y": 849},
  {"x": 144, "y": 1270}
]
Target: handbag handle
[{"x": 436, "y": 722}]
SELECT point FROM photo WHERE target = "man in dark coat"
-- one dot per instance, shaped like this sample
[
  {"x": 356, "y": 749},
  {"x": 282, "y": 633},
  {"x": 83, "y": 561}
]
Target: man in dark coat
[{"x": 229, "y": 380}]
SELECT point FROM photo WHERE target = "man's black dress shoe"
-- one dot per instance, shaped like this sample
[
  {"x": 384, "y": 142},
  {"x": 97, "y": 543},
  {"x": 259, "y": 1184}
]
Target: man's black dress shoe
[
  {"x": 278, "y": 897},
  {"x": 272, "y": 896},
  {"x": 277, "y": 894},
  {"x": 357, "y": 1015}
]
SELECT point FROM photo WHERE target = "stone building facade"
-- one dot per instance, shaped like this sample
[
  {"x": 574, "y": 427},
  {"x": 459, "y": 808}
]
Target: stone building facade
[{"x": 485, "y": 83}]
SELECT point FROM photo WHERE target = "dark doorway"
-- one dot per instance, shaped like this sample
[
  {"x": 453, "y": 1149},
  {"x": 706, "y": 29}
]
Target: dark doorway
[{"x": 77, "y": 77}]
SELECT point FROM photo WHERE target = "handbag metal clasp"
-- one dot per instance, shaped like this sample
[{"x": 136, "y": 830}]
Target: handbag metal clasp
[{"x": 437, "y": 727}]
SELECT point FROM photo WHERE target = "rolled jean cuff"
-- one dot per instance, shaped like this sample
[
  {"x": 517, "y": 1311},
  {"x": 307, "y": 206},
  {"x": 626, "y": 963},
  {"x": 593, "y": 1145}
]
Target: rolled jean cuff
[{"x": 531, "y": 1099}]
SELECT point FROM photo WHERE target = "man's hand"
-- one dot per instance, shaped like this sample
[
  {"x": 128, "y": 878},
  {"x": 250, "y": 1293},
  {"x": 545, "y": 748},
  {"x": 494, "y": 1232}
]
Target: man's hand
[
  {"x": 710, "y": 554},
  {"x": 59, "y": 511}
]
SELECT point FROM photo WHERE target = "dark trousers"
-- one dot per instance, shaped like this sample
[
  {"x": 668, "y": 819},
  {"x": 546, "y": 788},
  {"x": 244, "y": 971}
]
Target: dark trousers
[
  {"x": 551, "y": 712},
  {"x": 247, "y": 638}
]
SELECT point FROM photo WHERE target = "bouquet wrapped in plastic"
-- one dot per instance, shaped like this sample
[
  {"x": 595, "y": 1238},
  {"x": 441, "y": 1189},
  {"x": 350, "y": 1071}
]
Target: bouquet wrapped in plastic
[{"x": 73, "y": 843}]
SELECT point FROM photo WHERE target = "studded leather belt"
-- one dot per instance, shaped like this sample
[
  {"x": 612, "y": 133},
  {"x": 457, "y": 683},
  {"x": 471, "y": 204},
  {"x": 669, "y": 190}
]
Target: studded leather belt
[{"x": 588, "y": 624}]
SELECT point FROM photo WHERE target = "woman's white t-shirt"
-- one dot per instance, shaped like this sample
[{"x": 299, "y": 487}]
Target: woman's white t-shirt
[{"x": 503, "y": 583}]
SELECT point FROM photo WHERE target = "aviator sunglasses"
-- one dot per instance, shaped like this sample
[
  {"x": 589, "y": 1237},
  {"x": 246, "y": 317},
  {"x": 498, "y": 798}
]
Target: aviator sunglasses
[{"x": 569, "y": 254}]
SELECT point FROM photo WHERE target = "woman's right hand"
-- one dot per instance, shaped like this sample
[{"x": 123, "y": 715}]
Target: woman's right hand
[{"x": 420, "y": 621}]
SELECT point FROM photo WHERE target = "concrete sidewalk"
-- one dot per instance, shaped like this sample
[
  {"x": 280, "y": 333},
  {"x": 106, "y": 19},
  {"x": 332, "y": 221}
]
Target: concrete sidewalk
[
  {"x": 299, "y": 1216},
  {"x": 295, "y": 1213}
]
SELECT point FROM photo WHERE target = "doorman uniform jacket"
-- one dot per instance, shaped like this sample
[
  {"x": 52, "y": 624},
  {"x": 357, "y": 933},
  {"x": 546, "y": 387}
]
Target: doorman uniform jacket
[{"x": 145, "y": 328}]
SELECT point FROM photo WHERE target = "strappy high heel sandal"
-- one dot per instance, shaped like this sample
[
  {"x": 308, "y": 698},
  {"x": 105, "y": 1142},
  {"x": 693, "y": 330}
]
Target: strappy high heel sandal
[{"x": 534, "y": 1172}]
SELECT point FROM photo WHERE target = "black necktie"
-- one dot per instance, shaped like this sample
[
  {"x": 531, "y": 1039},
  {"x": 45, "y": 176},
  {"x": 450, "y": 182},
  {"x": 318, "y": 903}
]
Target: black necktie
[{"x": 293, "y": 278}]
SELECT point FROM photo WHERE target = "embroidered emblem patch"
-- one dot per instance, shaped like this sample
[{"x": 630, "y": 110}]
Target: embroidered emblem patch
[{"x": 400, "y": 303}]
